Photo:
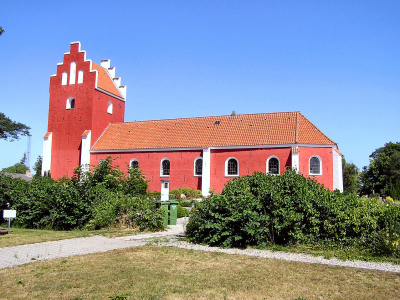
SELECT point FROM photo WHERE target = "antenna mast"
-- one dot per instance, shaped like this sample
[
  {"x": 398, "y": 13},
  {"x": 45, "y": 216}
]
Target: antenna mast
[{"x": 28, "y": 153}]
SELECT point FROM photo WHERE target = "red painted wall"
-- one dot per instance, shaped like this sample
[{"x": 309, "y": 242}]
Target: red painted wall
[
  {"x": 181, "y": 166},
  {"x": 250, "y": 161},
  {"x": 90, "y": 113},
  {"x": 305, "y": 153}
]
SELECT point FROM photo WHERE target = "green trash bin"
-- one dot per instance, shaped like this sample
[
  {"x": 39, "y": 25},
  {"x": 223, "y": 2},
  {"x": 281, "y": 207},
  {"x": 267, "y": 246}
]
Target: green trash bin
[
  {"x": 173, "y": 212},
  {"x": 164, "y": 205}
]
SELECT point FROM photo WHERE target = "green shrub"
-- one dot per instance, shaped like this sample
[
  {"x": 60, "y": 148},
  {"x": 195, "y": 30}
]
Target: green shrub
[
  {"x": 188, "y": 192},
  {"x": 287, "y": 209},
  {"x": 389, "y": 200},
  {"x": 101, "y": 197},
  {"x": 182, "y": 212}
]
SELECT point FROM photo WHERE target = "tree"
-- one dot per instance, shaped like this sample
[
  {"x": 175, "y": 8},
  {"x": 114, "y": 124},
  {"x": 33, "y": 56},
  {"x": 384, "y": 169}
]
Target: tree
[
  {"x": 351, "y": 177},
  {"x": 18, "y": 168},
  {"x": 38, "y": 166},
  {"x": 1, "y": 30},
  {"x": 383, "y": 173},
  {"x": 11, "y": 130}
]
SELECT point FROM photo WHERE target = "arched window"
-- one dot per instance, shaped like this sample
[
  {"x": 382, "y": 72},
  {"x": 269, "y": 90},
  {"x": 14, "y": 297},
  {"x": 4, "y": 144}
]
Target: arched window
[
  {"x": 273, "y": 165},
  {"x": 64, "y": 78},
  {"x": 80, "y": 76},
  {"x": 231, "y": 167},
  {"x": 198, "y": 166},
  {"x": 165, "y": 167},
  {"x": 110, "y": 107},
  {"x": 315, "y": 164},
  {"x": 70, "y": 103},
  {"x": 72, "y": 73},
  {"x": 134, "y": 163}
]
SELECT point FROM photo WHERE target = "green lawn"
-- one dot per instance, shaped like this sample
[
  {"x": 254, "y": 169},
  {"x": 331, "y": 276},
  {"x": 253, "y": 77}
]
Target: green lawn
[{"x": 152, "y": 272}]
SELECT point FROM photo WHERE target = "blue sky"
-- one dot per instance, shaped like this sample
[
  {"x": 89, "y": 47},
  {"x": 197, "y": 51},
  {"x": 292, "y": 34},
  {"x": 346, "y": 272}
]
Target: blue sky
[{"x": 335, "y": 61}]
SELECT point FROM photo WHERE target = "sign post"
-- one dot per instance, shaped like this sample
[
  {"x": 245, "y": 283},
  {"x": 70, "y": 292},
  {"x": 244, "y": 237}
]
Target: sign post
[{"x": 9, "y": 213}]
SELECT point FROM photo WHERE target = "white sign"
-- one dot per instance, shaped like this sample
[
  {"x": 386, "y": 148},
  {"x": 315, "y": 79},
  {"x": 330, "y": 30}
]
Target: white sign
[{"x": 9, "y": 213}]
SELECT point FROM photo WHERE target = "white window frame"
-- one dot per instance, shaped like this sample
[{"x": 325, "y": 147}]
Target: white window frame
[
  {"x": 226, "y": 167},
  {"x": 64, "y": 78},
  {"x": 161, "y": 167},
  {"x": 110, "y": 107},
  {"x": 80, "y": 76},
  {"x": 72, "y": 73},
  {"x": 69, "y": 101},
  {"x": 194, "y": 167},
  {"x": 279, "y": 165},
  {"x": 320, "y": 166},
  {"x": 132, "y": 160}
]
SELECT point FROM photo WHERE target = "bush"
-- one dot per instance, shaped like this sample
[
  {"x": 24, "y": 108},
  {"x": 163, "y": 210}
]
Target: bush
[
  {"x": 95, "y": 199},
  {"x": 389, "y": 200},
  {"x": 188, "y": 192},
  {"x": 264, "y": 209},
  {"x": 182, "y": 212}
]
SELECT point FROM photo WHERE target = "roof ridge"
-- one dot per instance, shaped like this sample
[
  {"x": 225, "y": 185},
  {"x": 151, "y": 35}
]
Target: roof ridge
[{"x": 215, "y": 116}]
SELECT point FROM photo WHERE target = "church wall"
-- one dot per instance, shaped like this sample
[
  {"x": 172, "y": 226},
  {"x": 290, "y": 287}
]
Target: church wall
[
  {"x": 181, "y": 167},
  {"x": 250, "y": 161},
  {"x": 327, "y": 164}
]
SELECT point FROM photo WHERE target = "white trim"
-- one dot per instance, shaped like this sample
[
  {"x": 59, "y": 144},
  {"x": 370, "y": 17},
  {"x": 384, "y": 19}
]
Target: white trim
[
  {"x": 296, "y": 162},
  {"x": 226, "y": 167},
  {"x": 320, "y": 166},
  {"x": 337, "y": 171},
  {"x": 133, "y": 159},
  {"x": 206, "y": 176},
  {"x": 85, "y": 151},
  {"x": 279, "y": 165},
  {"x": 105, "y": 92},
  {"x": 161, "y": 167},
  {"x": 216, "y": 148},
  {"x": 194, "y": 166},
  {"x": 47, "y": 145}
]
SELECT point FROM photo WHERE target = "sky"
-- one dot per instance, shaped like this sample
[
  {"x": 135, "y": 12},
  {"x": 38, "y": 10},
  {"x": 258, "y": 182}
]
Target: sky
[{"x": 337, "y": 62}]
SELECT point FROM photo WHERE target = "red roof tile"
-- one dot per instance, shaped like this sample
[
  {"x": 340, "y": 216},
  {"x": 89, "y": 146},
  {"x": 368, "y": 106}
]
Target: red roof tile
[
  {"x": 217, "y": 131},
  {"x": 86, "y": 133},
  {"x": 104, "y": 81}
]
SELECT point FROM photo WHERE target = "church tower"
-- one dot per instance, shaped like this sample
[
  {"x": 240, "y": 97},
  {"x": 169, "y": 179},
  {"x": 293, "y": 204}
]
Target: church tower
[{"x": 84, "y": 99}]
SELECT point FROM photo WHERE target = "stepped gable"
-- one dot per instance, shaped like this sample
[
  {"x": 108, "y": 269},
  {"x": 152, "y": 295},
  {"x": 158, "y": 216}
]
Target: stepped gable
[
  {"x": 104, "y": 81},
  {"x": 214, "y": 131}
]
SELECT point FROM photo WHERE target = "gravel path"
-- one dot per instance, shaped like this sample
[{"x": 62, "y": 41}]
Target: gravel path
[{"x": 19, "y": 255}]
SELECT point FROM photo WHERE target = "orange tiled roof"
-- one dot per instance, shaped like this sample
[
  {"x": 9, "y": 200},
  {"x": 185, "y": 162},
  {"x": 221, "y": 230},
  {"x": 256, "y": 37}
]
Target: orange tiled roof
[
  {"x": 104, "y": 81},
  {"x": 47, "y": 135},
  {"x": 217, "y": 131}
]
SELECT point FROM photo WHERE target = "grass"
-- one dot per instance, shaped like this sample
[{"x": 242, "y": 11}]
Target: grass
[
  {"x": 20, "y": 236},
  {"x": 152, "y": 272}
]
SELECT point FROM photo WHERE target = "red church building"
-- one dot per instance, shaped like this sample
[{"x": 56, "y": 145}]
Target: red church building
[{"x": 86, "y": 124}]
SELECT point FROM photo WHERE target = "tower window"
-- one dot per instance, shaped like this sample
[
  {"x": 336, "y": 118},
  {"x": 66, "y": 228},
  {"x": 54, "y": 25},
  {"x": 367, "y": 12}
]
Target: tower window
[
  {"x": 110, "y": 107},
  {"x": 64, "y": 78},
  {"x": 72, "y": 73},
  {"x": 70, "y": 103},
  {"x": 80, "y": 76}
]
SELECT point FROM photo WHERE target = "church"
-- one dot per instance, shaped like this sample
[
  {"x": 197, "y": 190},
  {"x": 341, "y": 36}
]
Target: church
[{"x": 86, "y": 124}]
